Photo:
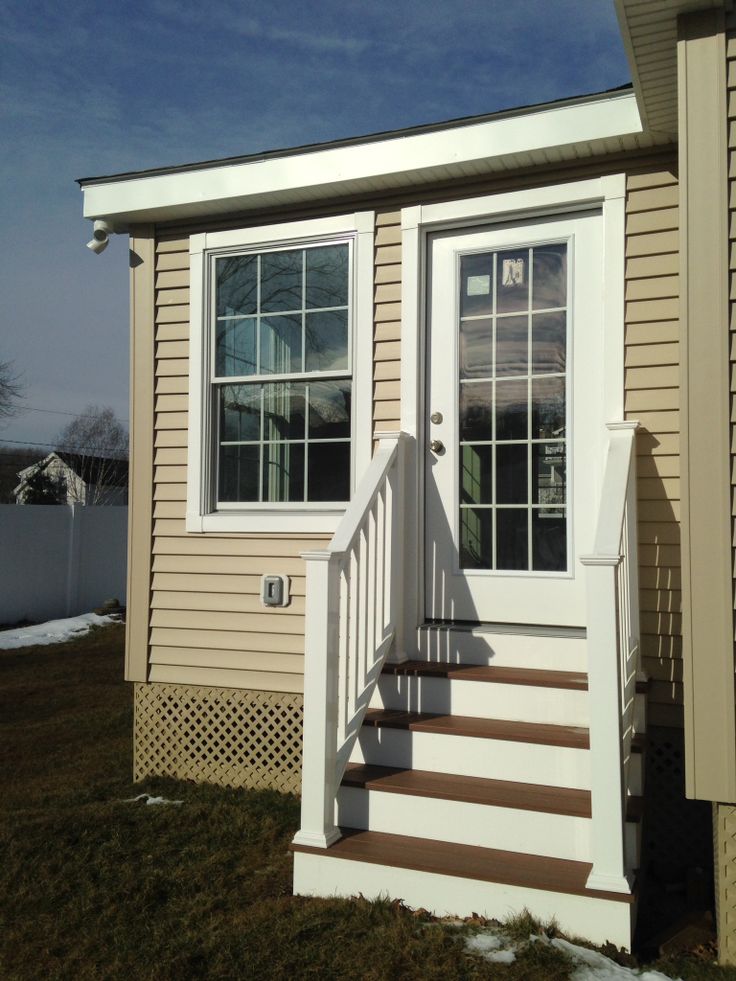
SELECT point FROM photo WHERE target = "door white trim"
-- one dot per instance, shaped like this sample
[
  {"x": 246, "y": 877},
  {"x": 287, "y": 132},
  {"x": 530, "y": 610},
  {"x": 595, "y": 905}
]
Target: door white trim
[{"x": 608, "y": 193}]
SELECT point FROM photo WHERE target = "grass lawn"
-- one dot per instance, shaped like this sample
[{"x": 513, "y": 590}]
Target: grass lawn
[{"x": 94, "y": 886}]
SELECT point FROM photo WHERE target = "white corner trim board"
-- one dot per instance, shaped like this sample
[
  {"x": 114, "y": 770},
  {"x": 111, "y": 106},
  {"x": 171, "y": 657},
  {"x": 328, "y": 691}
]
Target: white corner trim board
[{"x": 393, "y": 161}]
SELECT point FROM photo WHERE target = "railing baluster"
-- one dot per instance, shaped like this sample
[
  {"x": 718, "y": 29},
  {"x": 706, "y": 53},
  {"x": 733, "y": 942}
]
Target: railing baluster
[{"x": 350, "y": 625}]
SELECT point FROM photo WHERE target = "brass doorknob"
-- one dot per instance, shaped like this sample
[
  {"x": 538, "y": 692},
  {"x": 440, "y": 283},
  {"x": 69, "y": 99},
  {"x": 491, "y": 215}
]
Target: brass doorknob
[{"x": 437, "y": 446}]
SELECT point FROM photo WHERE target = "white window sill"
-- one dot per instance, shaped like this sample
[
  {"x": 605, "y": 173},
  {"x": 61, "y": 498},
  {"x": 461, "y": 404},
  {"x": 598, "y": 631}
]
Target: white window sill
[{"x": 266, "y": 521}]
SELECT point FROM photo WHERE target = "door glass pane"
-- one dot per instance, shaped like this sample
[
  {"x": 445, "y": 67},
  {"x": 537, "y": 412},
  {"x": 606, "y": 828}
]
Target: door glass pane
[
  {"x": 476, "y": 471},
  {"x": 550, "y": 276},
  {"x": 511, "y": 410},
  {"x": 476, "y": 411},
  {"x": 549, "y": 540},
  {"x": 476, "y": 285},
  {"x": 512, "y": 281},
  {"x": 512, "y": 341},
  {"x": 512, "y": 461},
  {"x": 511, "y": 538},
  {"x": 476, "y": 348},
  {"x": 476, "y": 538}
]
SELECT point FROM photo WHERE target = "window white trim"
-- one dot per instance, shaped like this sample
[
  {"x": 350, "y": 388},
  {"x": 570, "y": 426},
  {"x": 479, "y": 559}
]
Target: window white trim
[{"x": 296, "y": 517}]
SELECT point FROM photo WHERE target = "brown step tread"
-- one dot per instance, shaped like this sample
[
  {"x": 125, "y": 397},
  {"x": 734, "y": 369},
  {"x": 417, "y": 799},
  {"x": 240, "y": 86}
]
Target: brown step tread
[
  {"x": 575, "y": 680},
  {"x": 472, "y": 790},
  {"x": 573, "y": 737},
  {"x": 465, "y": 861}
]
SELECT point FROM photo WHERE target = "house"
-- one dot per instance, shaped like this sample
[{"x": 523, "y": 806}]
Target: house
[
  {"x": 74, "y": 478},
  {"x": 431, "y": 472}
]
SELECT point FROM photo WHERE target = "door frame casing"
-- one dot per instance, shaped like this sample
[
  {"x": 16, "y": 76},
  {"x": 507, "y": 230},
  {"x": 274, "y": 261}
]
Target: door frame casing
[{"x": 607, "y": 193}]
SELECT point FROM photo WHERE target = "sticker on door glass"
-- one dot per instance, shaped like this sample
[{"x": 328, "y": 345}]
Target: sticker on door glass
[
  {"x": 512, "y": 272},
  {"x": 478, "y": 285}
]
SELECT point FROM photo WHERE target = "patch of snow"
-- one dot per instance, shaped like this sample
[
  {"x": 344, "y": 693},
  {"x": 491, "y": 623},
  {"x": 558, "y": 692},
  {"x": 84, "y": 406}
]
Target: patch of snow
[
  {"x": 590, "y": 965},
  {"x": 491, "y": 947},
  {"x": 151, "y": 800},
  {"x": 52, "y": 632}
]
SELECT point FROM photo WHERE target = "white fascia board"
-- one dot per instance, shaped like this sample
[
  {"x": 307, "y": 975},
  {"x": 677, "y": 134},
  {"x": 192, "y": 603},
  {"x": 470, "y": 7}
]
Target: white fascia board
[{"x": 343, "y": 169}]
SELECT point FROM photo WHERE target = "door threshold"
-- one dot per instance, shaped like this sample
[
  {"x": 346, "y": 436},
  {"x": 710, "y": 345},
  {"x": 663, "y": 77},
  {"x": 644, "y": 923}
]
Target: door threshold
[{"x": 485, "y": 627}]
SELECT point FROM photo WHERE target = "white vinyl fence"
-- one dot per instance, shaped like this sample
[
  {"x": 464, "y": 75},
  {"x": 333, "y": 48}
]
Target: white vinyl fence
[{"x": 60, "y": 560}]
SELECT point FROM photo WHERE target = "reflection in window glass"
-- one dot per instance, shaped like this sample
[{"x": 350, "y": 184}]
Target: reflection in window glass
[
  {"x": 329, "y": 410},
  {"x": 281, "y": 345},
  {"x": 283, "y": 472},
  {"x": 511, "y": 474},
  {"x": 281, "y": 281},
  {"x": 327, "y": 276},
  {"x": 237, "y": 285},
  {"x": 548, "y": 473},
  {"x": 328, "y": 475},
  {"x": 283, "y": 411},
  {"x": 326, "y": 340},
  {"x": 235, "y": 347},
  {"x": 548, "y": 408},
  {"x": 238, "y": 476},
  {"x": 240, "y": 413},
  {"x": 549, "y": 541}
]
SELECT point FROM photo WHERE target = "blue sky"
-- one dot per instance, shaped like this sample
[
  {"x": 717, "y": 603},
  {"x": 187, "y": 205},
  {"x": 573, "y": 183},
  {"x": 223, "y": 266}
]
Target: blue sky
[{"x": 92, "y": 88}]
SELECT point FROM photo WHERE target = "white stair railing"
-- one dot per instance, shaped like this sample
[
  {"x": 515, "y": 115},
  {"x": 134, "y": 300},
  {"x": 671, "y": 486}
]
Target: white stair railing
[
  {"x": 353, "y": 617},
  {"x": 613, "y": 657}
]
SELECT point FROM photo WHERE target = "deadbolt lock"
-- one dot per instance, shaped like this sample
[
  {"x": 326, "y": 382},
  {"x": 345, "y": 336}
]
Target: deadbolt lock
[{"x": 436, "y": 418}]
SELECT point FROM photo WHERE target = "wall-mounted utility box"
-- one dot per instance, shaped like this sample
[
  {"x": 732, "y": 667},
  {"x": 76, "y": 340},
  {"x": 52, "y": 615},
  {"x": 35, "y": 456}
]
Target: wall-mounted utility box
[{"x": 275, "y": 590}]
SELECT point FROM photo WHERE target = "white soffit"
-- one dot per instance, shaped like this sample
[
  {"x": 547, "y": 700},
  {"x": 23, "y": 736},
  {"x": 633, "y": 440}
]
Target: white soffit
[
  {"x": 551, "y": 134},
  {"x": 649, "y": 31}
]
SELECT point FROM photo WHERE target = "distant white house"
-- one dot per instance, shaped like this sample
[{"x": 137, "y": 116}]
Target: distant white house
[{"x": 74, "y": 478}]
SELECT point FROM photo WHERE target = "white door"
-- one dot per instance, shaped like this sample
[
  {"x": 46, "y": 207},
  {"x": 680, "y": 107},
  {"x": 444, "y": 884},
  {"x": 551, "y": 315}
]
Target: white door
[{"x": 513, "y": 419}]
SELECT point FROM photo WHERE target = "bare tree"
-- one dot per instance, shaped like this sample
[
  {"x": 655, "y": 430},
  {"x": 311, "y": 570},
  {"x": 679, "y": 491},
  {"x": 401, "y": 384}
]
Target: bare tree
[
  {"x": 11, "y": 389},
  {"x": 95, "y": 445}
]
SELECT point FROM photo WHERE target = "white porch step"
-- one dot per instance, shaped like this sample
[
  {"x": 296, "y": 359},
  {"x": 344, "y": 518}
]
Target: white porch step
[
  {"x": 519, "y": 694},
  {"x": 495, "y": 749},
  {"x": 459, "y": 880},
  {"x": 468, "y": 811},
  {"x": 504, "y": 645}
]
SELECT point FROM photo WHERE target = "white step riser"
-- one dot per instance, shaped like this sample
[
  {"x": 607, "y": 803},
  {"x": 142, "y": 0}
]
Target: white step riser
[
  {"x": 509, "y": 650},
  {"x": 485, "y": 700},
  {"x": 531, "y": 832},
  {"x": 497, "y": 759},
  {"x": 599, "y": 920}
]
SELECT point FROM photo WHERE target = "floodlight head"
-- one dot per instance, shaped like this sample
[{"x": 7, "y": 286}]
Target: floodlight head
[{"x": 100, "y": 236}]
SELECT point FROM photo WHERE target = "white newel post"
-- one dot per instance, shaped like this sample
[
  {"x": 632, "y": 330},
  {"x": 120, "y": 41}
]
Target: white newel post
[
  {"x": 318, "y": 828},
  {"x": 604, "y": 693},
  {"x": 397, "y": 558}
]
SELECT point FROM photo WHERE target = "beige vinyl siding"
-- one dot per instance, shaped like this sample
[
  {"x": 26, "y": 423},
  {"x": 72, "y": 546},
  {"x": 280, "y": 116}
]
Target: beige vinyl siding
[
  {"x": 652, "y": 397},
  {"x": 207, "y": 624},
  {"x": 731, "y": 102},
  {"x": 387, "y": 326}
]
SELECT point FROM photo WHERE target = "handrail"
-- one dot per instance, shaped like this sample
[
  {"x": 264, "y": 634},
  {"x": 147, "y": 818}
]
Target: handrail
[
  {"x": 352, "y": 621},
  {"x": 613, "y": 657}
]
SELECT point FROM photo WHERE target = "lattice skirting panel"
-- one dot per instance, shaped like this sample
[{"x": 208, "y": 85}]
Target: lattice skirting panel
[
  {"x": 219, "y": 735},
  {"x": 724, "y": 846}
]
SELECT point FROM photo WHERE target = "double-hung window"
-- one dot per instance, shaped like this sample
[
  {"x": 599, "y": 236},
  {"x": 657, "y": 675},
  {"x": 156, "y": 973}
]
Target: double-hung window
[{"x": 280, "y": 374}]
